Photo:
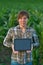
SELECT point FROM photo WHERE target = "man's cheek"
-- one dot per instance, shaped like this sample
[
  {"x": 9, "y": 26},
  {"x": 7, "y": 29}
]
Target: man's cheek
[{"x": 19, "y": 20}]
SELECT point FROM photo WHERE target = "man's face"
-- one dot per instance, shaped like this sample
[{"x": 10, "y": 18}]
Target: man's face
[{"x": 23, "y": 21}]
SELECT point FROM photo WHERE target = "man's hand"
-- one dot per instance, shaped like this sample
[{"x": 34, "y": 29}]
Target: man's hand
[{"x": 14, "y": 50}]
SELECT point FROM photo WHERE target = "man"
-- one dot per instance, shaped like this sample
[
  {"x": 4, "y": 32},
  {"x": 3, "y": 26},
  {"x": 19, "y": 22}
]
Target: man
[{"x": 21, "y": 31}]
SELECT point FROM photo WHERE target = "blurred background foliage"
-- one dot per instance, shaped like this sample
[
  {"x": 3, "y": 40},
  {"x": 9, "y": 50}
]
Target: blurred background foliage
[{"x": 8, "y": 18}]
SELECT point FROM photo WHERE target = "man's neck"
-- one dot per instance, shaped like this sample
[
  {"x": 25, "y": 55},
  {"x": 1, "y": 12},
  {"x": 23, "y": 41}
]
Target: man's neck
[{"x": 23, "y": 28}]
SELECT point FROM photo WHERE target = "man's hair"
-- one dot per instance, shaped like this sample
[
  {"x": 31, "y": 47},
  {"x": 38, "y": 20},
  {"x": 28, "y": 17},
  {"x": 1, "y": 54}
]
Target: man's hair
[{"x": 23, "y": 13}]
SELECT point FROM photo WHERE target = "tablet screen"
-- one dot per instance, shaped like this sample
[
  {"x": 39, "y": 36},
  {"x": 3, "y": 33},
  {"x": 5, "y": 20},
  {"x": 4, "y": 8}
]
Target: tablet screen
[{"x": 22, "y": 44}]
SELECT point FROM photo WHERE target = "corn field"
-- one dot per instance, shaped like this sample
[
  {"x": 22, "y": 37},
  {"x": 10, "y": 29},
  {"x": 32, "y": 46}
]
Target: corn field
[{"x": 8, "y": 18}]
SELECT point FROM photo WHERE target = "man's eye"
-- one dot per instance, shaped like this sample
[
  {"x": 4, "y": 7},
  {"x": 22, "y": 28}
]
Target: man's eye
[{"x": 24, "y": 18}]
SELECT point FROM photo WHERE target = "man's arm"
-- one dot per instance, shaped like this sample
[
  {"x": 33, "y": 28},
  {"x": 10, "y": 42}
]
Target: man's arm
[
  {"x": 8, "y": 39},
  {"x": 35, "y": 39},
  {"x": 8, "y": 42}
]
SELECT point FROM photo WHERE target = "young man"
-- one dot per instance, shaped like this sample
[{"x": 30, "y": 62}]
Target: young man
[{"x": 21, "y": 31}]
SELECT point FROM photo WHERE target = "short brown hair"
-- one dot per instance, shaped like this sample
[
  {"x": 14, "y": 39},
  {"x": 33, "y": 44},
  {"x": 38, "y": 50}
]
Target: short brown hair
[{"x": 22, "y": 13}]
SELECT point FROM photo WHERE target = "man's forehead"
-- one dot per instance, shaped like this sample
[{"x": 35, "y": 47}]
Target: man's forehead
[{"x": 24, "y": 16}]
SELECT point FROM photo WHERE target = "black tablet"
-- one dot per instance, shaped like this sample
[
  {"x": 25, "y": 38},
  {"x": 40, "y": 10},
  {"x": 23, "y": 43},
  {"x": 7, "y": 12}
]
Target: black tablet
[{"x": 22, "y": 44}]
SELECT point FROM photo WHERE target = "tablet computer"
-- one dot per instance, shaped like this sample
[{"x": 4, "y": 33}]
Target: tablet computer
[{"x": 22, "y": 44}]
